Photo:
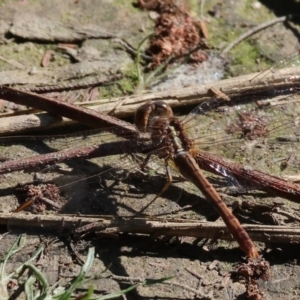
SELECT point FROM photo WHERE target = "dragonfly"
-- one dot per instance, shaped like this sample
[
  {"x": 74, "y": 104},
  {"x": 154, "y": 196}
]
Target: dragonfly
[
  {"x": 172, "y": 142},
  {"x": 261, "y": 140}
]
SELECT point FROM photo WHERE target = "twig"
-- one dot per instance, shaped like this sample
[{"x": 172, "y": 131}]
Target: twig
[
  {"x": 12, "y": 62},
  {"x": 50, "y": 202},
  {"x": 75, "y": 252},
  {"x": 74, "y": 85},
  {"x": 275, "y": 102},
  {"x": 65, "y": 155},
  {"x": 287, "y": 214},
  {"x": 235, "y": 88},
  {"x": 187, "y": 288},
  {"x": 207, "y": 161},
  {"x": 147, "y": 225},
  {"x": 126, "y": 278},
  {"x": 81, "y": 114},
  {"x": 194, "y": 273},
  {"x": 131, "y": 49},
  {"x": 252, "y": 31}
]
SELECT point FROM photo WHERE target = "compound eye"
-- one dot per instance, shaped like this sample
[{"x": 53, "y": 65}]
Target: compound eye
[
  {"x": 162, "y": 109},
  {"x": 142, "y": 115}
]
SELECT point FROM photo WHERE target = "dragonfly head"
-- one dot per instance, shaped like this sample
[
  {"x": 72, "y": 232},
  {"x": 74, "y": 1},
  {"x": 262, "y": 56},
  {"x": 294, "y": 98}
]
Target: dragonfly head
[{"x": 147, "y": 112}]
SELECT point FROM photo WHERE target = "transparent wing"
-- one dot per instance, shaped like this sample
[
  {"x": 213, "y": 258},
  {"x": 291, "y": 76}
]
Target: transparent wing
[
  {"x": 260, "y": 130},
  {"x": 263, "y": 139},
  {"x": 96, "y": 186}
]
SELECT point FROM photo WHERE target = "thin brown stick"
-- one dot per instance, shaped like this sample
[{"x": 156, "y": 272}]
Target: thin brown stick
[
  {"x": 81, "y": 114},
  {"x": 12, "y": 62},
  {"x": 50, "y": 202},
  {"x": 74, "y": 85},
  {"x": 130, "y": 49},
  {"x": 287, "y": 214},
  {"x": 239, "y": 87},
  {"x": 260, "y": 180},
  {"x": 253, "y": 31},
  {"x": 147, "y": 225},
  {"x": 68, "y": 154},
  {"x": 196, "y": 292}
]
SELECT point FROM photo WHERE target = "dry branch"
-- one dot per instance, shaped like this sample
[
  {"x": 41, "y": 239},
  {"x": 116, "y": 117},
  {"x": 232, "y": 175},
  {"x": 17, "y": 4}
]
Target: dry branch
[
  {"x": 147, "y": 225},
  {"x": 233, "y": 87}
]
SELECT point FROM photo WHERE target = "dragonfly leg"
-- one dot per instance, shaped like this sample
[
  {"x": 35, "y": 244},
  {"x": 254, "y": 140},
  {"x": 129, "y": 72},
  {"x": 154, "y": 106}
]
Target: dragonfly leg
[
  {"x": 146, "y": 161},
  {"x": 167, "y": 184},
  {"x": 169, "y": 180}
]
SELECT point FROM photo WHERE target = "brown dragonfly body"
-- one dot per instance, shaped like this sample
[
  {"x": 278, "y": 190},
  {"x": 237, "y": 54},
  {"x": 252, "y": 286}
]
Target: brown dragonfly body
[{"x": 172, "y": 143}]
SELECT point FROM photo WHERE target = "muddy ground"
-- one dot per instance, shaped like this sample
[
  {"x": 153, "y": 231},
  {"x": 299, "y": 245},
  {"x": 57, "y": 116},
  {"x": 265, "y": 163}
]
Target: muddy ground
[{"x": 87, "y": 51}]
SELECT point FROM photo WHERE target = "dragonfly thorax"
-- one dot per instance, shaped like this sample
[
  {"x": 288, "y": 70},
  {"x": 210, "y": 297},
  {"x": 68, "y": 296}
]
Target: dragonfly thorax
[{"x": 169, "y": 136}]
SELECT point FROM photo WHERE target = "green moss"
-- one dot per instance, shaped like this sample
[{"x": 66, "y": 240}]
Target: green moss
[
  {"x": 130, "y": 78},
  {"x": 29, "y": 54},
  {"x": 244, "y": 59},
  {"x": 244, "y": 56},
  {"x": 255, "y": 15},
  {"x": 223, "y": 31},
  {"x": 123, "y": 87}
]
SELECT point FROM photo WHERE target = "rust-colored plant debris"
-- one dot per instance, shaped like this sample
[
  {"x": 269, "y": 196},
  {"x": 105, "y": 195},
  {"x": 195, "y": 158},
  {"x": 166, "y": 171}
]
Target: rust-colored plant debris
[
  {"x": 250, "y": 125},
  {"x": 250, "y": 273},
  {"x": 176, "y": 33},
  {"x": 38, "y": 197}
]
